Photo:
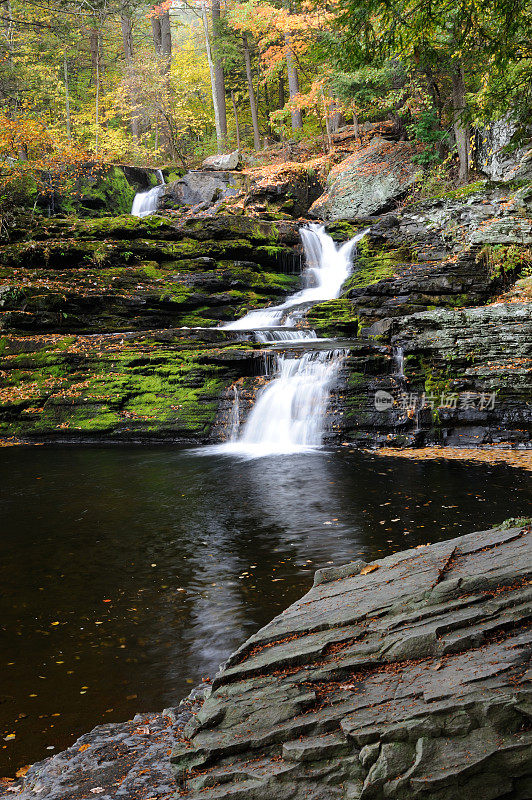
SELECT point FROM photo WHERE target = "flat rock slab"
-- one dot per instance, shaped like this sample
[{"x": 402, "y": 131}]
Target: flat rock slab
[{"x": 401, "y": 679}]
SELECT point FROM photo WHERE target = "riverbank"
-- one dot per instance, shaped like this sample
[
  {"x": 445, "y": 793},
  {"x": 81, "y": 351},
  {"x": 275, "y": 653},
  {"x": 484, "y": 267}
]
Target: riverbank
[{"x": 400, "y": 678}]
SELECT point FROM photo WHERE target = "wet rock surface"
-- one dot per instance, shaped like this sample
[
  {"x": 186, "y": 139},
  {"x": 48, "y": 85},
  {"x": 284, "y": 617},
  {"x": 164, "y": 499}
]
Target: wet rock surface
[
  {"x": 404, "y": 678},
  {"x": 400, "y": 679},
  {"x": 119, "y": 760}
]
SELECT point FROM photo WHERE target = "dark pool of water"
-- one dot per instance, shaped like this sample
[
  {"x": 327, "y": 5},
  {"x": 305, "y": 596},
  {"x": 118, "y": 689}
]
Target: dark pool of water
[{"x": 128, "y": 574}]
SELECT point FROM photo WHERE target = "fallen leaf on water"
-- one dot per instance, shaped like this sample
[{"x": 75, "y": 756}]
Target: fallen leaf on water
[
  {"x": 369, "y": 568},
  {"x": 22, "y": 771},
  {"x": 9, "y": 737}
]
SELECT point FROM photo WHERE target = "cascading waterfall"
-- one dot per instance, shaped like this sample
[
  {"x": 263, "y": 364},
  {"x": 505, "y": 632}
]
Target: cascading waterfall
[
  {"x": 289, "y": 411},
  {"x": 145, "y": 203},
  {"x": 327, "y": 268}
]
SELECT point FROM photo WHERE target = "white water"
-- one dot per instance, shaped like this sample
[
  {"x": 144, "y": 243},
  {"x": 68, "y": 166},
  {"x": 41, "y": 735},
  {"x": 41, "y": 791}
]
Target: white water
[
  {"x": 328, "y": 266},
  {"x": 145, "y": 203},
  {"x": 289, "y": 412}
]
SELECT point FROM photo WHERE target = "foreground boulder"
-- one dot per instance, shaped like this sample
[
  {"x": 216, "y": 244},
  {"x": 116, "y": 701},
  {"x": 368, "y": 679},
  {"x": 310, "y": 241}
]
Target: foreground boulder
[
  {"x": 400, "y": 679},
  {"x": 366, "y": 182}
]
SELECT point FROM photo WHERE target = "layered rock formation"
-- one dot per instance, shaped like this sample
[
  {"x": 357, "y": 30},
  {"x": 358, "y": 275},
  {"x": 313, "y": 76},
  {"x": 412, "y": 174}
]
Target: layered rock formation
[
  {"x": 97, "y": 318},
  {"x": 436, "y": 316},
  {"x": 400, "y": 679},
  {"x": 405, "y": 678}
]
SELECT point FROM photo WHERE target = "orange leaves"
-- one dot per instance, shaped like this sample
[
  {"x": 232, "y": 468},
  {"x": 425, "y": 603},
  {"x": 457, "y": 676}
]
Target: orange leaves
[{"x": 369, "y": 568}]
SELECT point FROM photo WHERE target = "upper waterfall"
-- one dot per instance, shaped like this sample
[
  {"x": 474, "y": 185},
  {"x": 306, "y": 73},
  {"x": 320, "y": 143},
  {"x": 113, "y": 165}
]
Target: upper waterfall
[
  {"x": 327, "y": 268},
  {"x": 145, "y": 203}
]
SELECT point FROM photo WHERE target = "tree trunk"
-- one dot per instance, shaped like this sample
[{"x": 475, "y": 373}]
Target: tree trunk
[
  {"x": 336, "y": 118},
  {"x": 162, "y": 39},
  {"x": 282, "y": 98},
  {"x": 460, "y": 125},
  {"x": 127, "y": 41},
  {"x": 95, "y": 59},
  {"x": 219, "y": 77},
  {"x": 293, "y": 84},
  {"x": 219, "y": 135},
  {"x": 252, "y": 103},
  {"x": 235, "y": 111},
  {"x": 327, "y": 120},
  {"x": 67, "y": 98},
  {"x": 355, "y": 124}
]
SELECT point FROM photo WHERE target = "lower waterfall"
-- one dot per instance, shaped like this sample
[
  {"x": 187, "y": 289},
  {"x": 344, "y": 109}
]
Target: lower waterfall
[{"x": 289, "y": 412}]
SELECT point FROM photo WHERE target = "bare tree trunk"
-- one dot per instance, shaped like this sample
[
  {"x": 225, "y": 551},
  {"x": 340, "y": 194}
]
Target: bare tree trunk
[
  {"x": 127, "y": 41},
  {"x": 327, "y": 120},
  {"x": 336, "y": 118},
  {"x": 460, "y": 125},
  {"x": 67, "y": 98},
  {"x": 235, "y": 111},
  {"x": 219, "y": 135},
  {"x": 219, "y": 77},
  {"x": 95, "y": 59},
  {"x": 162, "y": 38},
  {"x": 252, "y": 103},
  {"x": 293, "y": 84},
  {"x": 282, "y": 98}
]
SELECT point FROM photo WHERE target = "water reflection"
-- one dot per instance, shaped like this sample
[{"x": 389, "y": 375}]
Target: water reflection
[{"x": 127, "y": 575}]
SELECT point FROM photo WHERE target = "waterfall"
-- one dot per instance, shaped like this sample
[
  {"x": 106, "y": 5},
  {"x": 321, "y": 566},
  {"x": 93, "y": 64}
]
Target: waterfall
[
  {"x": 145, "y": 203},
  {"x": 399, "y": 361},
  {"x": 328, "y": 266},
  {"x": 234, "y": 415},
  {"x": 290, "y": 410}
]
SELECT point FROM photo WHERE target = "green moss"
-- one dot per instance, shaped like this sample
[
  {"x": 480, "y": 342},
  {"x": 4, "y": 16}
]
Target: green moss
[
  {"x": 333, "y": 318},
  {"x": 373, "y": 265},
  {"x": 341, "y": 230},
  {"x": 109, "y": 193},
  {"x": 502, "y": 260}
]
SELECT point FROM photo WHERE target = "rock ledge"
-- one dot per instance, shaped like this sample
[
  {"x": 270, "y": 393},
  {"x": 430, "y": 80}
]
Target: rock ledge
[{"x": 400, "y": 679}]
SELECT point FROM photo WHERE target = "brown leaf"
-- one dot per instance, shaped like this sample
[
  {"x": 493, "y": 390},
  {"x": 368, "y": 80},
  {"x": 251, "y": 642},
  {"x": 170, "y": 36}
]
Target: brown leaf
[{"x": 369, "y": 568}]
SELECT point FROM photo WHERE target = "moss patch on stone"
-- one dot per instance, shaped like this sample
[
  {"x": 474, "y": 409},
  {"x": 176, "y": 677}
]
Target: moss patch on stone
[{"x": 333, "y": 318}]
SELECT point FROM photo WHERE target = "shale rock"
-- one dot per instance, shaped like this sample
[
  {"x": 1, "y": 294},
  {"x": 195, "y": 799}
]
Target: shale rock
[
  {"x": 402, "y": 679},
  {"x": 367, "y": 181},
  {"x": 200, "y": 186}
]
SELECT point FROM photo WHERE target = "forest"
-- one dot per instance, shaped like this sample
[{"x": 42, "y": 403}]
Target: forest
[{"x": 125, "y": 81}]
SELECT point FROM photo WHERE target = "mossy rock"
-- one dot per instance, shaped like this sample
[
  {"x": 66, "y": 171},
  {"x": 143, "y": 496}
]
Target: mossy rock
[
  {"x": 374, "y": 265},
  {"x": 109, "y": 194},
  {"x": 333, "y": 318}
]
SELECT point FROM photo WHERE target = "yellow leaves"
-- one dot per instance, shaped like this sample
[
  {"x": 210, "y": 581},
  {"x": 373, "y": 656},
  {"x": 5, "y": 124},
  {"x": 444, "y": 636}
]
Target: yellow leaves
[
  {"x": 83, "y": 748},
  {"x": 369, "y": 568}
]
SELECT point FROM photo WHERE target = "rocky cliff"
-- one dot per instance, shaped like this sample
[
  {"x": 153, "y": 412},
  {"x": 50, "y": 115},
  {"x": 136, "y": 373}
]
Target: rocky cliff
[{"x": 399, "y": 679}]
